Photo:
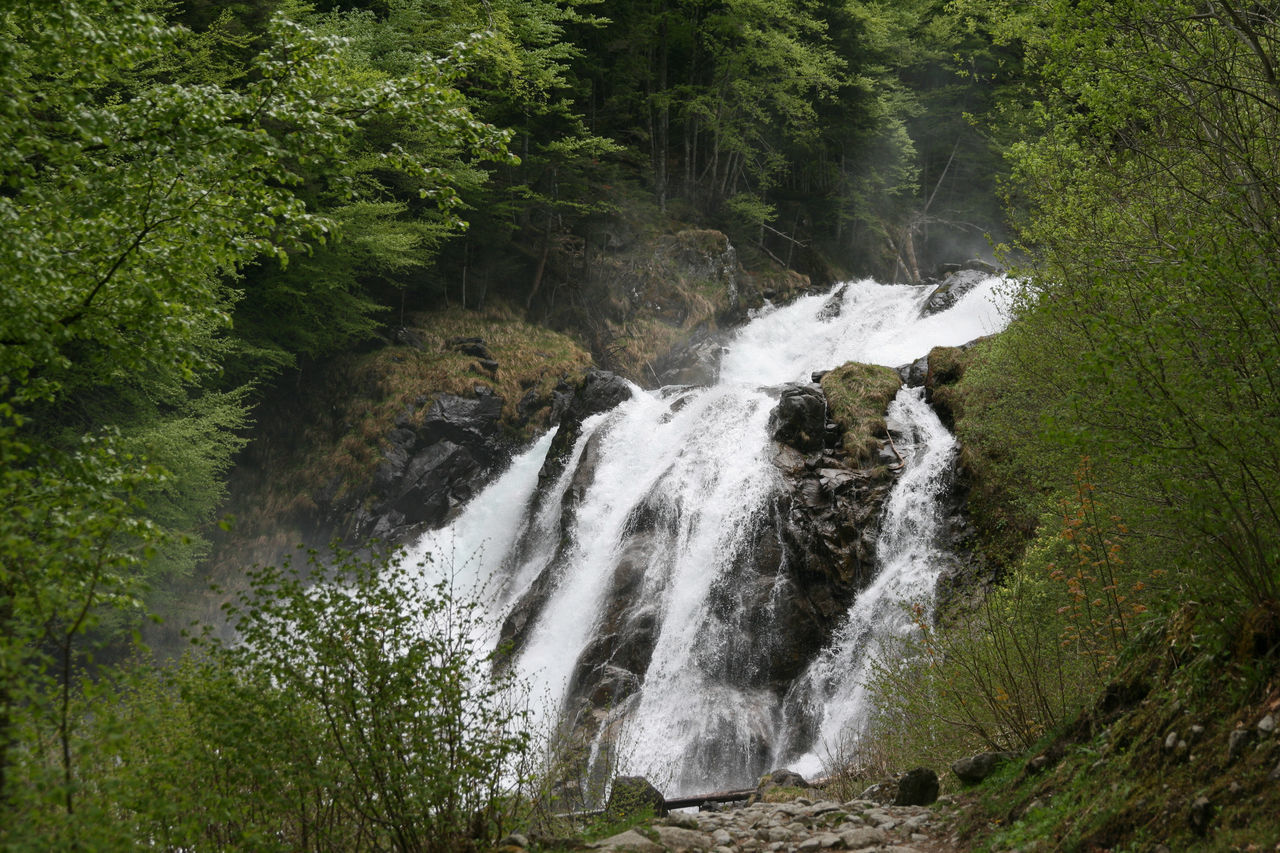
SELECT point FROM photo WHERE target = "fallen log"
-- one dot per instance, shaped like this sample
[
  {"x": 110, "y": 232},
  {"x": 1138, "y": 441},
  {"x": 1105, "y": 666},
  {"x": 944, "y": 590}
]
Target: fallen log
[{"x": 716, "y": 797}]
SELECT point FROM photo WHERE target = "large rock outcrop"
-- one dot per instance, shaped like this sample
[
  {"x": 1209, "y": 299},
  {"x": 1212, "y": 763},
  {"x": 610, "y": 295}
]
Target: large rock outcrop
[
  {"x": 804, "y": 559},
  {"x": 432, "y": 467},
  {"x": 656, "y": 310}
]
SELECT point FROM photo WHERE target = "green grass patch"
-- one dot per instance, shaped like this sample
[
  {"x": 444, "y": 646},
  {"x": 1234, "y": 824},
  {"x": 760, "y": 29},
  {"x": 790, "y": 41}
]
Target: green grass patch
[{"x": 857, "y": 396}]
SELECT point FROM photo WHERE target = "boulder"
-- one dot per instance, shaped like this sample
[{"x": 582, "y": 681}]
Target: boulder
[
  {"x": 975, "y": 768},
  {"x": 782, "y": 778},
  {"x": 631, "y": 795},
  {"x": 918, "y": 787},
  {"x": 952, "y": 288},
  {"x": 800, "y": 418}
]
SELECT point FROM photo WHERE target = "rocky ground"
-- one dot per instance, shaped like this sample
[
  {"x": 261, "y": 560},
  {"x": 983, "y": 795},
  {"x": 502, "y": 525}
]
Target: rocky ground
[{"x": 800, "y": 825}]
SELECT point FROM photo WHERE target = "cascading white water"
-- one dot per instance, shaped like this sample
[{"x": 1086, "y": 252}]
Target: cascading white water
[
  {"x": 471, "y": 550},
  {"x": 833, "y": 691},
  {"x": 655, "y": 544}
]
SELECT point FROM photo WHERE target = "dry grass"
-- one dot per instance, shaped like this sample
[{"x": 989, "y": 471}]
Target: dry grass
[
  {"x": 377, "y": 388},
  {"x": 330, "y": 436},
  {"x": 857, "y": 396}
]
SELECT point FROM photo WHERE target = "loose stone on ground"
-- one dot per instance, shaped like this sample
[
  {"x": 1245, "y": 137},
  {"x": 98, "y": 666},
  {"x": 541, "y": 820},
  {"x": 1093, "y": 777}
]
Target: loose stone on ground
[{"x": 802, "y": 825}]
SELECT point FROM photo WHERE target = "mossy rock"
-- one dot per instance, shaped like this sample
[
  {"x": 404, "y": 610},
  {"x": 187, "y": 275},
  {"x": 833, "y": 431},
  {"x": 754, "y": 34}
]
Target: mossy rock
[
  {"x": 783, "y": 794},
  {"x": 857, "y": 397}
]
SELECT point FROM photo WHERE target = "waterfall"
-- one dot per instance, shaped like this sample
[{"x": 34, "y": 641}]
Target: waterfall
[
  {"x": 650, "y": 579},
  {"x": 832, "y": 691}
]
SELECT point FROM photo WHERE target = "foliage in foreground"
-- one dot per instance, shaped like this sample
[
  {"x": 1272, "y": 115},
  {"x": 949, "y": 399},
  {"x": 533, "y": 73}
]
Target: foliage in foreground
[
  {"x": 356, "y": 712},
  {"x": 1124, "y": 429},
  {"x": 1029, "y": 657},
  {"x": 136, "y": 193}
]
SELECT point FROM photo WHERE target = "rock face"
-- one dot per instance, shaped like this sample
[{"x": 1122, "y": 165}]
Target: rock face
[
  {"x": 696, "y": 362},
  {"x": 432, "y": 467},
  {"x": 827, "y": 520},
  {"x": 808, "y": 555},
  {"x": 656, "y": 309},
  {"x": 598, "y": 391}
]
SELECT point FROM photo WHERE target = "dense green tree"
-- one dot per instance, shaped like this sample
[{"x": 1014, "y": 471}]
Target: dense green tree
[
  {"x": 131, "y": 202},
  {"x": 1147, "y": 326}
]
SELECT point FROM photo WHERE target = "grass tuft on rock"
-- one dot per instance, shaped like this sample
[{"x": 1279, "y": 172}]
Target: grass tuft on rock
[{"x": 857, "y": 396}]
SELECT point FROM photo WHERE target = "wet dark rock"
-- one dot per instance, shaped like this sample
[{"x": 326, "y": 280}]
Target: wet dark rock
[
  {"x": 918, "y": 787},
  {"x": 1200, "y": 815},
  {"x": 975, "y": 768},
  {"x": 436, "y": 479},
  {"x": 489, "y": 365},
  {"x": 472, "y": 423},
  {"x": 523, "y": 615},
  {"x": 913, "y": 374},
  {"x": 630, "y": 795},
  {"x": 800, "y": 418},
  {"x": 598, "y": 391},
  {"x": 834, "y": 304},
  {"x": 953, "y": 287},
  {"x": 428, "y": 469},
  {"x": 530, "y": 404}
]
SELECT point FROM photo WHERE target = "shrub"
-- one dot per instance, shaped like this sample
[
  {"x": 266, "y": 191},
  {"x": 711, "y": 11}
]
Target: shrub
[
  {"x": 356, "y": 711},
  {"x": 1037, "y": 650}
]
